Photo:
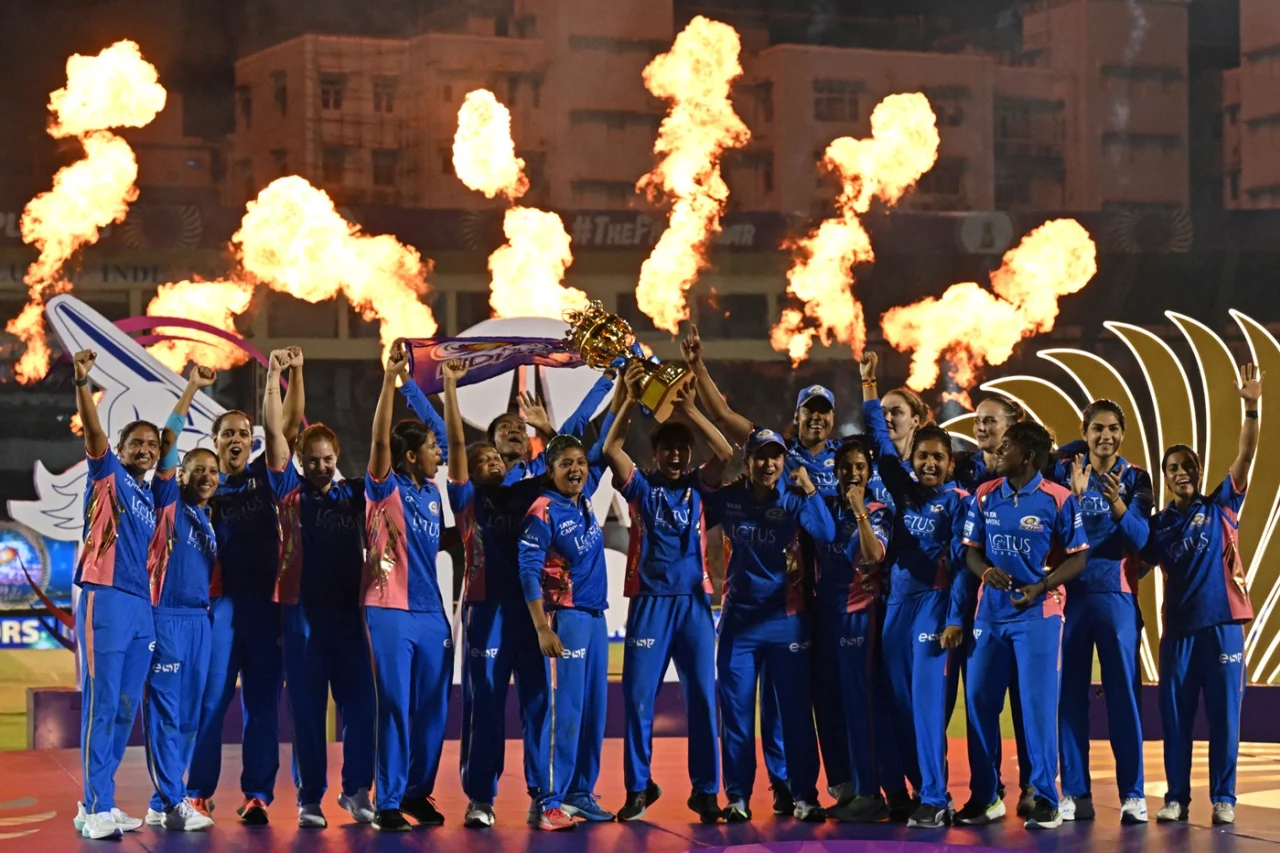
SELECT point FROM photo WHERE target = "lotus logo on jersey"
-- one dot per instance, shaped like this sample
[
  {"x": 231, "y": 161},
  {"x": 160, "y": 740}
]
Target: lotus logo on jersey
[
  {"x": 1031, "y": 523},
  {"x": 640, "y": 642}
]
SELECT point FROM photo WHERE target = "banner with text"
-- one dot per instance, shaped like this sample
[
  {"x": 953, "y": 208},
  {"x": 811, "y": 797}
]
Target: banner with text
[{"x": 485, "y": 357}]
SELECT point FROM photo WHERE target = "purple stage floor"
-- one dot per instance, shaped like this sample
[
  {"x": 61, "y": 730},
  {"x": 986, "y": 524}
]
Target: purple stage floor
[{"x": 39, "y": 789}]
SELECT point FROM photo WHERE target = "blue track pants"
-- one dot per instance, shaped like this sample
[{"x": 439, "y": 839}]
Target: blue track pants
[{"x": 171, "y": 708}]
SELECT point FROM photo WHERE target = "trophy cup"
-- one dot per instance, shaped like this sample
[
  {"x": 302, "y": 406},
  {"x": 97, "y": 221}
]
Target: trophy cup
[{"x": 606, "y": 340}]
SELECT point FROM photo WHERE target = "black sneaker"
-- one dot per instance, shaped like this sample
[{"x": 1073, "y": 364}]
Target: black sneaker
[
  {"x": 782, "y": 802},
  {"x": 1084, "y": 808},
  {"x": 901, "y": 806},
  {"x": 706, "y": 807},
  {"x": 1043, "y": 816},
  {"x": 423, "y": 810},
  {"x": 737, "y": 811},
  {"x": 1000, "y": 791},
  {"x": 634, "y": 807},
  {"x": 929, "y": 817},
  {"x": 1027, "y": 801},
  {"x": 860, "y": 810},
  {"x": 390, "y": 820},
  {"x": 253, "y": 812}
]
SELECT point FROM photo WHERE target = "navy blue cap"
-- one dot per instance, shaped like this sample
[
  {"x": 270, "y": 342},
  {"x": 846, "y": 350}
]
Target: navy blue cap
[
  {"x": 813, "y": 392},
  {"x": 761, "y": 438}
]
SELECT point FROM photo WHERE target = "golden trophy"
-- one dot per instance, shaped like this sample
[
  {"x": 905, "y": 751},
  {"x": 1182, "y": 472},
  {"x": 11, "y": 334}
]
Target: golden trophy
[{"x": 602, "y": 339}]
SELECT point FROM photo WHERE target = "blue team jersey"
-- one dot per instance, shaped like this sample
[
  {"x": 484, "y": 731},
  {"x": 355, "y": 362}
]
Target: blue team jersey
[
  {"x": 562, "y": 554},
  {"x": 248, "y": 532},
  {"x": 928, "y": 548},
  {"x": 322, "y": 540},
  {"x": 1199, "y": 553},
  {"x": 402, "y": 520},
  {"x": 667, "y": 551},
  {"x": 490, "y": 520},
  {"x": 764, "y": 573},
  {"x": 1025, "y": 534},
  {"x": 971, "y": 471},
  {"x": 845, "y": 582},
  {"x": 119, "y": 521},
  {"x": 1114, "y": 546},
  {"x": 183, "y": 551},
  {"x": 822, "y": 470}
]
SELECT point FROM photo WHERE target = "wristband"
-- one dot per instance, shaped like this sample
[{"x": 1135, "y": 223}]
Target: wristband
[
  {"x": 989, "y": 570},
  {"x": 1251, "y": 413},
  {"x": 80, "y": 383},
  {"x": 176, "y": 423},
  {"x": 810, "y": 494},
  {"x": 860, "y": 516},
  {"x": 868, "y": 383}
]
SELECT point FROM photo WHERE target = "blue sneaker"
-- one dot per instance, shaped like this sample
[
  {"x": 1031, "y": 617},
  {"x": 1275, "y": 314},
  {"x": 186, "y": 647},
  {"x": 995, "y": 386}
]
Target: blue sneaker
[{"x": 585, "y": 807}]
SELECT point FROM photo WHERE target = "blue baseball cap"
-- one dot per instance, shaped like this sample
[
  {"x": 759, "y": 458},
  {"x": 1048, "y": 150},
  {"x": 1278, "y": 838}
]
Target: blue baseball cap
[
  {"x": 814, "y": 392},
  {"x": 760, "y": 439}
]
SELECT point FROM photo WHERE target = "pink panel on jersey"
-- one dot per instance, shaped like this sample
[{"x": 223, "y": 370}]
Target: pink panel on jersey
[
  {"x": 289, "y": 571},
  {"x": 386, "y": 576},
  {"x": 1233, "y": 576},
  {"x": 98, "y": 562},
  {"x": 160, "y": 549}
]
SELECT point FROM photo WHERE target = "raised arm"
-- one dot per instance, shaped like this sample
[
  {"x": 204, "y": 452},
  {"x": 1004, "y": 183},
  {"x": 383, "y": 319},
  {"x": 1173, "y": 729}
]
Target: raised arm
[
  {"x": 273, "y": 418},
  {"x": 872, "y": 528},
  {"x": 421, "y": 406},
  {"x": 295, "y": 399},
  {"x": 873, "y": 413},
  {"x": 815, "y": 518},
  {"x": 454, "y": 370},
  {"x": 736, "y": 427},
  {"x": 1250, "y": 388},
  {"x": 619, "y": 462},
  {"x": 96, "y": 442},
  {"x": 576, "y": 423},
  {"x": 721, "y": 450},
  {"x": 201, "y": 377},
  {"x": 380, "y": 450}
]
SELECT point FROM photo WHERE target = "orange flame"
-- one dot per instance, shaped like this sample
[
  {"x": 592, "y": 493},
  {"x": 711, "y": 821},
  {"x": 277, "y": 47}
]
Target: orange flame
[
  {"x": 116, "y": 88},
  {"x": 76, "y": 424},
  {"x": 902, "y": 147},
  {"x": 293, "y": 239},
  {"x": 528, "y": 270},
  {"x": 971, "y": 327},
  {"x": 695, "y": 77},
  {"x": 215, "y": 303}
]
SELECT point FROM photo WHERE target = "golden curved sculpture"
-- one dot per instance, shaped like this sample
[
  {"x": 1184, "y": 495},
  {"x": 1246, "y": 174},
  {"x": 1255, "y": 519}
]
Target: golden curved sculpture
[{"x": 1172, "y": 417}]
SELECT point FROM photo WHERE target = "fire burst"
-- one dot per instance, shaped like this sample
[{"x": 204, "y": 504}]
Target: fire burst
[
  {"x": 528, "y": 270},
  {"x": 214, "y": 303},
  {"x": 116, "y": 88},
  {"x": 695, "y": 76},
  {"x": 971, "y": 327},
  {"x": 902, "y": 147}
]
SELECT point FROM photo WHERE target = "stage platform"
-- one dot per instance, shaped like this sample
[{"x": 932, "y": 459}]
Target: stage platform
[{"x": 39, "y": 789}]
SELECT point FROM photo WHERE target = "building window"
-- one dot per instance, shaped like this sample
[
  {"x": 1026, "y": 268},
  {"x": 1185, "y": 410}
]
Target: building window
[
  {"x": 836, "y": 100},
  {"x": 446, "y": 93},
  {"x": 386, "y": 161},
  {"x": 614, "y": 119},
  {"x": 472, "y": 308},
  {"x": 280, "y": 91},
  {"x": 733, "y": 315},
  {"x": 244, "y": 102},
  {"x": 1012, "y": 194},
  {"x": 245, "y": 170},
  {"x": 614, "y": 192},
  {"x": 281, "y": 158},
  {"x": 333, "y": 162},
  {"x": 446, "y": 161},
  {"x": 944, "y": 179},
  {"x": 384, "y": 94},
  {"x": 332, "y": 88}
]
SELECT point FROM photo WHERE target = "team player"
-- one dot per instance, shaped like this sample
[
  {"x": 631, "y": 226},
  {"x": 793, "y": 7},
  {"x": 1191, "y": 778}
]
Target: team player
[
  {"x": 318, "y": 589},
  {"x": 1102, "y": 611},
  {"x": 814, "y": 449},
  {"x": 848, "y": 588},
  {"x": 764, "y": 619},
  {"x": 1206, "y": 604},
  {"x": 114, "y": 624},
  {"x": 1017, "y": 526},
  {"x": 565, "y": 587},
  {"x": 245, "y": 639},
  {"x": 667, "y": 580},
  {"x": 409, "y": 637},
  {"x": 180, "y": 563},
  {"x": 925, "y": 615}
]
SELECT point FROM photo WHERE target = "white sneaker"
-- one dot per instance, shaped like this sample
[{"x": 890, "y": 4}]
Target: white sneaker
[
  {"x": 1224, "y": 813},
  {"x": 1067, "y": 808},
  {"x": 809, "y": 812},
  {"x": 155, "y": 818},
  {"x": 1171, "y": 812},
  {"x": 358, "y": 805},
  {"x": 184, "y": 818},
  {"x": 1133, "y": 810},
  {"x": 311, "y": 817},
  {"x": 99, "y": 826},
  {"x": 81, "y": 816},
  {"x": 479, "y": 815}
]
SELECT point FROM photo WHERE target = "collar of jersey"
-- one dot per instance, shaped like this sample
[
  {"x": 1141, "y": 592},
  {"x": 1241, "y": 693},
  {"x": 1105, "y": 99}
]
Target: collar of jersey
[{"x": 1006, "y": 490}]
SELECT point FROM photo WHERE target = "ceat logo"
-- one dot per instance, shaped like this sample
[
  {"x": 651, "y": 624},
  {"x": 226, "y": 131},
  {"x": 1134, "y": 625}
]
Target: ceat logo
[{"x": 1031, "y": 523}]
